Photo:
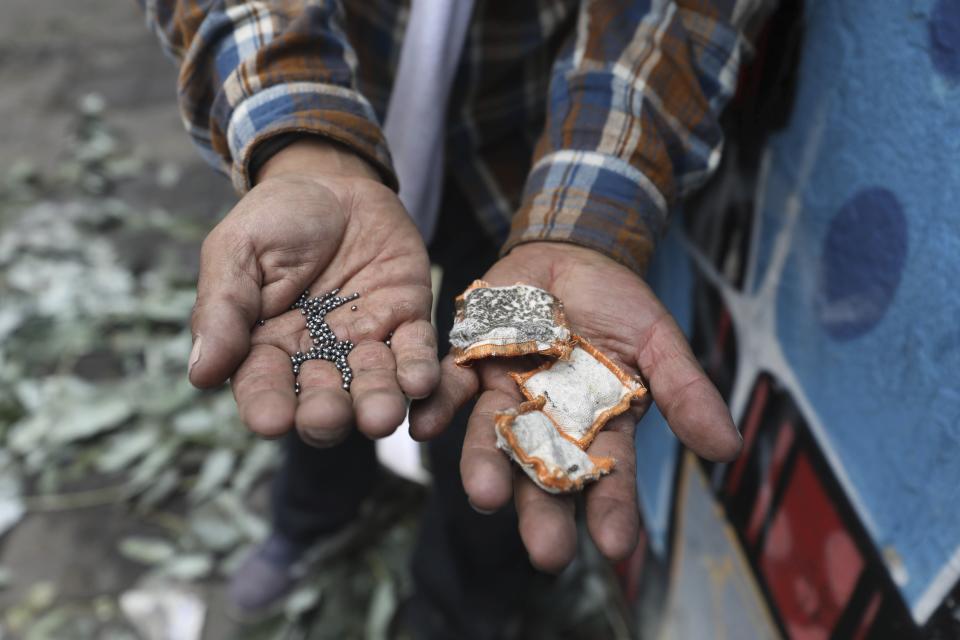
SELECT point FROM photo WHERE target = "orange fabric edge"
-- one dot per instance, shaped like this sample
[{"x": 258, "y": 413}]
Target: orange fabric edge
[
  {"x": 622, "y": 375},
  {"x": 561, "y": 483},
  {"x": 600, "y": 422},
  {"x": 558, "y": 349}
]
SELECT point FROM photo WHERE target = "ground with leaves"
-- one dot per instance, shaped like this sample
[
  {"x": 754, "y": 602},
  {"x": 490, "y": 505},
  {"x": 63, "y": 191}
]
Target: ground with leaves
[{"x": 120, "y": 485}]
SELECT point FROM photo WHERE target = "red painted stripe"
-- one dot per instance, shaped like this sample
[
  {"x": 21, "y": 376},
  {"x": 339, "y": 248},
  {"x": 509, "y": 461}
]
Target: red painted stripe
[
  {"x": 749, "y": 430},
  {"x": 781, "y": 448},
  {"x": 868, "y": 617}
]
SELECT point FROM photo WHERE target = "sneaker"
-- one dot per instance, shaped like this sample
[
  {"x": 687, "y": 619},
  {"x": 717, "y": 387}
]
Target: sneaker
[
  {"x": 267, "y": 575},
  {"x": 275, "y": 566}
]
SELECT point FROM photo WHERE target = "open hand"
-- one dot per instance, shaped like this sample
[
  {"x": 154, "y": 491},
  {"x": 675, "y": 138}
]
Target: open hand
[
  {"x": 616, "y": 311},
  {"x": 310, "y": 224}
]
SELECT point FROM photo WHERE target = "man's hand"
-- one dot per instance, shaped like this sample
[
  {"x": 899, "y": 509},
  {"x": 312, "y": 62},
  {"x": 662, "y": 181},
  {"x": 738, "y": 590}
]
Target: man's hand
[
  {"x": 318, "y": 219},
  {"x": 618, "y": 313}
]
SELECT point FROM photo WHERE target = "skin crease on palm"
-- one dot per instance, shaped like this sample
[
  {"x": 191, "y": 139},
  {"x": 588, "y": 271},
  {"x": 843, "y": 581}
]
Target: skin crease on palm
[{"x": 337, "y": 225}]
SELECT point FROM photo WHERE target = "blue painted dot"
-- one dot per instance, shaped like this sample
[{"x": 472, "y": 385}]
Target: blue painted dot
[
  {"x": 864, "y": 253},
  {"x": 945, "y": 37}
]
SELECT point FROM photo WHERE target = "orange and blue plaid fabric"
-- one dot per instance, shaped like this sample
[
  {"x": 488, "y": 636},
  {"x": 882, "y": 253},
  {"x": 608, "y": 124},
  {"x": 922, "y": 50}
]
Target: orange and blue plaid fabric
[{"x": 573, "y": 121}]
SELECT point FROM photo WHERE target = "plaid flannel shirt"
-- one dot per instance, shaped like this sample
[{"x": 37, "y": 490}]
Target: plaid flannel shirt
[{"x": 571, "y": 121}]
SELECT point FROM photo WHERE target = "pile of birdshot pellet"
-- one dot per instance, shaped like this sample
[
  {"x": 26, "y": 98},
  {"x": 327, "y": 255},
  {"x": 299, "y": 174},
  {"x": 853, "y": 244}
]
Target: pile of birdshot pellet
[{"x": 326, "y": 345}]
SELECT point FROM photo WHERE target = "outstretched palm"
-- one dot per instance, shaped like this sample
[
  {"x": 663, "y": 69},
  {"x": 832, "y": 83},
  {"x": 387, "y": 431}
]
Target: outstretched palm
[
  {"x": 293, "y": 233},
  {"x": 617, "y": 312}
]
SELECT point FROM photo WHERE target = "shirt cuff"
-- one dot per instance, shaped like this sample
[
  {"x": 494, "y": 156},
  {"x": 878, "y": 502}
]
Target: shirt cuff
[
  {"x": 340, "y": 114},
  {"x": 594, "y": 200}
]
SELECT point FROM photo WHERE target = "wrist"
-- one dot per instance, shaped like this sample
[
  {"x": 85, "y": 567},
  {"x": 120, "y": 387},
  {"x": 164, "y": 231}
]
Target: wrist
[
  {"x": 314, "y": 155},
  {"x": 554, "y": 248}
]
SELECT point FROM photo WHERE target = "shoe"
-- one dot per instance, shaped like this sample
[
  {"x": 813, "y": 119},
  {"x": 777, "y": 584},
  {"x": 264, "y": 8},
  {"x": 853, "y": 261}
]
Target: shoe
[
  {"x": 275, "y": 566},
  {"x": 267, "y": 575}
]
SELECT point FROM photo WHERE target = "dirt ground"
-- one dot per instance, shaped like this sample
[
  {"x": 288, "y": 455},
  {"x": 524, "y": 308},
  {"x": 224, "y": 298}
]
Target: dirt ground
[{"x": 52, "y": 54}]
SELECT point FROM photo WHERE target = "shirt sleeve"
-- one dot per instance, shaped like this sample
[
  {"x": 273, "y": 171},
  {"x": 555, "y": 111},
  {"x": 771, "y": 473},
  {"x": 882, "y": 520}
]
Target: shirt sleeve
[
  {"x": 632, "y": 121},
  {"x": 253, "y": 70}
]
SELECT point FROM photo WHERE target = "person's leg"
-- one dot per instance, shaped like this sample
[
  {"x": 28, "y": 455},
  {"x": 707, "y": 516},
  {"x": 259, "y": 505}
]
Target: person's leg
[
  {"x": 316, "y": 494},
  {"x": 317, "y": 491},
  {"x": 470, "y": 570}
]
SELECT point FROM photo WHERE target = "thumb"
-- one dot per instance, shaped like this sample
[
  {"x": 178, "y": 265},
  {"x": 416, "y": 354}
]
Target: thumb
[
  {"x": 227, "y": 307},
  {"x": 431, "y": 416}
]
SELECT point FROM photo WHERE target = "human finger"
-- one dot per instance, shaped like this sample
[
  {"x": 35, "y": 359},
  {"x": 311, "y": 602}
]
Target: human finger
[
  {"x": 613, "y": 517},
  {"x": 414, "y": 345},
  {"x": 485, "y": 471},
  {"x": 430, "y": 416},
  {"x": 685, "y": 396},
  {"x": 324, "y": 413},
  {"x": 227, "y": 306},
  {"x": 379, "y": 404},
  {"x": 547, "y": 525},
  {"x": 263, "y": 389}
]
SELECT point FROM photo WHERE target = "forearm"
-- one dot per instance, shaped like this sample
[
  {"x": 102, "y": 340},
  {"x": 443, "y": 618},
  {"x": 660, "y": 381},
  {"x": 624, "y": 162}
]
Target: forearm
[
  {"x": 251, "y": 71},
  {"x": 632, "y": 123}
]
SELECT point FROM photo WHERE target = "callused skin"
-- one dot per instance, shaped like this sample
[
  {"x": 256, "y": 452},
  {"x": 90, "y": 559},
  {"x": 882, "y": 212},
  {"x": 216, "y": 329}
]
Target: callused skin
[{"x": 319, "y": 218}]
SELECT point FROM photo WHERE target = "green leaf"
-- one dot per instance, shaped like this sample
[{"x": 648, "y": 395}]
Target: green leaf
[
  {"x": 214, "y": 473},
  {"x": 27, "y": 433},
  {"x": 10, "y": 320},
  {"x": 50, "y": 626},
  {"x": 12, "y": 507},
  {"x": 302, "y": 600},
  {"x": 188, "y": 567},
  {"x": 85, "y": 421},
  {"x": 32, "y": 393},
  {"x": 230, "y": 564},
  {"x": 164, "y": 610},
  {"x": 41, "y": 595},
  {"x": 65, "y": 410},
  {"x": 146, "y": 550},
  {"x": 36, "y": 460},
  {"x": 383, "y": 604},
  {"x": 194, "y": 422},
  {"x": 155, "y": 462},
  {"x": 252, "y": 525},
  {"x": 6, "y": 577},
  {"x": 124, "y": 448},
  {"x": 261, "y": 457},
  {"x": 49, "y": 480},
  {"x": 168, "y": 306},
  {"x": 213, "y": 530},
  {"x": 176, "y": 394},
  {"x": 159, "y": 490}
]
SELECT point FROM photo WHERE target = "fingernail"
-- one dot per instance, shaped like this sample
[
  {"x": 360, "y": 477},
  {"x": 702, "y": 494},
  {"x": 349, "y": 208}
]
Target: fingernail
[
  {"x": 482, "y": 512},
  {"x": 194, "y": 354}
]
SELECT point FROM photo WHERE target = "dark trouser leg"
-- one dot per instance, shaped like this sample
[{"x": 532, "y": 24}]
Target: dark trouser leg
[
  {"x": 470, "y": 569},
  {"x": 317, "y": 491}
]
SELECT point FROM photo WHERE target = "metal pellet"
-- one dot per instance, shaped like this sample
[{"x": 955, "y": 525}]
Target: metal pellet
[{"x": 326, "y": 345}]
